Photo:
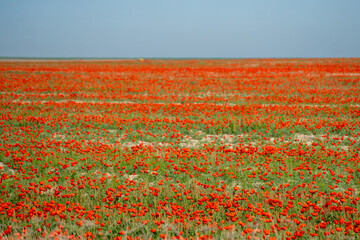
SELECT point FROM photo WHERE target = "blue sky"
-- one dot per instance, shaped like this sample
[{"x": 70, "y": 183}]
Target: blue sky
[{"x": 176, "y": 29}]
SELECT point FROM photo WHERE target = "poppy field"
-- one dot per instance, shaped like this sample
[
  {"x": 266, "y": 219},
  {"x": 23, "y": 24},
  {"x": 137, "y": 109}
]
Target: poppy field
[{"x": 180, "y": 149}]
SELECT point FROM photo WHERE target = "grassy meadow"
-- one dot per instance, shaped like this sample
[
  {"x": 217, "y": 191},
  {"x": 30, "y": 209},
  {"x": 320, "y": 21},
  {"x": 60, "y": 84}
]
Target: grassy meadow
[{"x": 180, "y": 149}]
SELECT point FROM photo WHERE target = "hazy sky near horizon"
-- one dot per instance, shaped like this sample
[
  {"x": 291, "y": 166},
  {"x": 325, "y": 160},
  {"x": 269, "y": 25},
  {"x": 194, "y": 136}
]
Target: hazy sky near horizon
[{"x": 173, "y": 28}]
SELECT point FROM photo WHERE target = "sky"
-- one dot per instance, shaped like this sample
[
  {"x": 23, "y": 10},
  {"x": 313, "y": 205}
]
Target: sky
[{"x": 179, "y": 28}]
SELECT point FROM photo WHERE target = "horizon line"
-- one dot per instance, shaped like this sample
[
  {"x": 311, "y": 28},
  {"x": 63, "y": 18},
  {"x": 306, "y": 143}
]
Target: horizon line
[{"x": 164, "y": 58}]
